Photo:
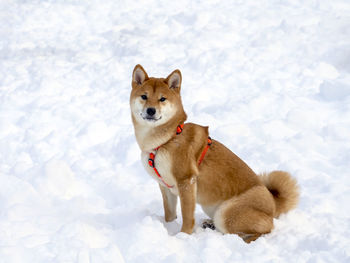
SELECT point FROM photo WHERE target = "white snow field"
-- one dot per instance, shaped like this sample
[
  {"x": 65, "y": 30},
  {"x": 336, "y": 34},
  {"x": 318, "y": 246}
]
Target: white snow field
[{"x": 270, "y": 78}]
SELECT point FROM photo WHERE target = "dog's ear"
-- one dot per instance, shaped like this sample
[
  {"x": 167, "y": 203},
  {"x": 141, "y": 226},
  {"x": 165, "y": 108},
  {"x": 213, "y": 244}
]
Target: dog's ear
[
  {"x": 139, "y": 75},
  {"x": 174, "y": 80}
]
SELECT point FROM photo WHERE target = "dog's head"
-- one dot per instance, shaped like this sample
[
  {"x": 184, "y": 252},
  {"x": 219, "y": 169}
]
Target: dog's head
[{"x": 155, "y": 101}]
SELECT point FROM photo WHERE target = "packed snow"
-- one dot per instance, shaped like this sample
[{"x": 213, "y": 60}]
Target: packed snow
[{"x": 270, "y": 78}]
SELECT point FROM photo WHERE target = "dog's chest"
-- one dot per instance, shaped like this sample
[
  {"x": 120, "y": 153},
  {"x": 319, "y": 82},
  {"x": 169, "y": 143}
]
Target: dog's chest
[{"x": 163, "y": 164}]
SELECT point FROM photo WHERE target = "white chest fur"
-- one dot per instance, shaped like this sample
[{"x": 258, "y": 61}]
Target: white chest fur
[{"x": 163, "y": 164}]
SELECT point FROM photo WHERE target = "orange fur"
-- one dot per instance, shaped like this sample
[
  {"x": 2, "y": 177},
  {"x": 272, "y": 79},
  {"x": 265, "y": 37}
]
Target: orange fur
[{"x": 237, "y": 200}]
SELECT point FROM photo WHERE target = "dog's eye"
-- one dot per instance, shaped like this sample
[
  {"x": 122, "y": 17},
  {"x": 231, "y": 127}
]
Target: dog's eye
[
  {"x": 144, "y": 97},
  {"x": 162, "y": 99}
]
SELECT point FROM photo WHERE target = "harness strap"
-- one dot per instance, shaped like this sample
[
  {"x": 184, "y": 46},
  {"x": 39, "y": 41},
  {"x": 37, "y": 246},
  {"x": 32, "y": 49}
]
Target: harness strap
[
  {"x": 205, "y": 151},
  {"x": 151, "y": 163},
  {"x": 152, "y": 156},
  {"x": 179, "y": 129}
]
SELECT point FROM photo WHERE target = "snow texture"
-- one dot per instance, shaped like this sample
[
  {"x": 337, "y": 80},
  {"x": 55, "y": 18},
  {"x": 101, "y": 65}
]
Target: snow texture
[{"x": 271, "y": 78}]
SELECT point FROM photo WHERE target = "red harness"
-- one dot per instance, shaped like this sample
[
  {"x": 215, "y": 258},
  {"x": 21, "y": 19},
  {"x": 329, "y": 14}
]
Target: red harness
[{"x": 152, "y": 156}]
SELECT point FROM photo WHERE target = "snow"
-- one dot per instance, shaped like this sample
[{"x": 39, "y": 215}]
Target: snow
[{"x": 270, "y": 78}]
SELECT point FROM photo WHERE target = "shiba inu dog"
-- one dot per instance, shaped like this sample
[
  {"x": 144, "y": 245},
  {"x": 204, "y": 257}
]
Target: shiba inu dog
[{"x": 190, "y": 165}]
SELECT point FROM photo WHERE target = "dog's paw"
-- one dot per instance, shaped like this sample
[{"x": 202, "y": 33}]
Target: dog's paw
[{"x": 208, "y": 224}]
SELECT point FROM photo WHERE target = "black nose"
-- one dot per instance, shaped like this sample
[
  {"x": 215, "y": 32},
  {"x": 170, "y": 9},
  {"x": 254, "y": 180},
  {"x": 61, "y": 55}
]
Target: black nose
[{"x": 151, "y": 111}]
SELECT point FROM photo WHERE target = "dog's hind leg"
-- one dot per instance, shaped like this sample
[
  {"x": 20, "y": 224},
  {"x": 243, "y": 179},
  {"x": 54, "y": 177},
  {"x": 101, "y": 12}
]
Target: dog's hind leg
[{"x": 249, "y": 214}]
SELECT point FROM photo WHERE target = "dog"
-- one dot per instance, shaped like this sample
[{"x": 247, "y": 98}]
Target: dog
[{"x": 188, "y": 164}]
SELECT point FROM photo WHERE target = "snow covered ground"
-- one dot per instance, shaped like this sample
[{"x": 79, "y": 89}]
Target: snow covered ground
[{"x": 270, "y": 78}]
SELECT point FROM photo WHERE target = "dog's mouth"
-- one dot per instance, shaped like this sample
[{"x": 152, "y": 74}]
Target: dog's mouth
[{"x": 151, "y": 118}]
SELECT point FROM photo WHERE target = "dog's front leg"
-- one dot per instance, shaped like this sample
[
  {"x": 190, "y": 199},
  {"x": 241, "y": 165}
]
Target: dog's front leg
[
  {"x": 187, "y": 192},
  {"x": 169, "y": 203}
]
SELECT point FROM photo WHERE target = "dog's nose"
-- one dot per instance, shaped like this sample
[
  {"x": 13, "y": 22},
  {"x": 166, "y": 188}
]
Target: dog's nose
[{"x": 151, "y": 111}]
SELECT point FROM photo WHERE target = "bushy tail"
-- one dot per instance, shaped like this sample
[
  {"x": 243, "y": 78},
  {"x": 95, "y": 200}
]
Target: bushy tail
[{"x": 284, "y": 189}]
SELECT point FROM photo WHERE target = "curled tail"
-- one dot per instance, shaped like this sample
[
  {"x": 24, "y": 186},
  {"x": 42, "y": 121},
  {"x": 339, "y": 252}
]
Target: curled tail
[{"x": 284, "y": 189}]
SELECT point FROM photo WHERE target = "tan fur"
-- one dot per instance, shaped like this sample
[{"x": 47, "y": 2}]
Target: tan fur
[
  {"x": 229, "y": 191},
  {"x": 284, "y": 189},
  {"x": 251, "y": 212}
]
